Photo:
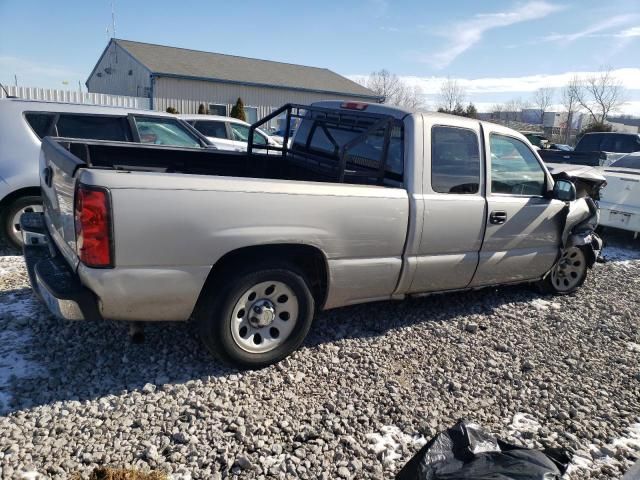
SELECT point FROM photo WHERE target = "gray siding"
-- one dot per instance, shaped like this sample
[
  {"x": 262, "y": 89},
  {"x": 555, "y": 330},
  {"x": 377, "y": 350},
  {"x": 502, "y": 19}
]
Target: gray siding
[
  {"x": 186, "y": 95},
  {"x": 119, "y": 82}
]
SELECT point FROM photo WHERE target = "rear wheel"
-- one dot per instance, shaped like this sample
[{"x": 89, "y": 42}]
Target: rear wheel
[
  {"x": 11, "y": 217},
  {"x": 568, "y": 274},
  {"x": 258, "y": 317}
]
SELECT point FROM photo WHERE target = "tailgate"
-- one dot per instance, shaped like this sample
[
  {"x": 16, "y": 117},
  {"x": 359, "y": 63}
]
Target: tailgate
[
  {"x": 58, "y": 168},
  {"x": 623, "y": 187}
]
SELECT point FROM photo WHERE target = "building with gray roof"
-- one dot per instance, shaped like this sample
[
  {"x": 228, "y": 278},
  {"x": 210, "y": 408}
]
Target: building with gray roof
[{"x": 184, "y": 79}]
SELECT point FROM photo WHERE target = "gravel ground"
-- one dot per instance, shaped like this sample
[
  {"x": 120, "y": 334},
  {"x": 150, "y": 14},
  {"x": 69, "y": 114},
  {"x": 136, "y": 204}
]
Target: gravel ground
[{"x": 371, "y": 384}]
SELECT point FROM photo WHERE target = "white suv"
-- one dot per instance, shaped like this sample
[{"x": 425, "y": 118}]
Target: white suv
[
  {"x": 23, "y": 123},
  {"x": 228, "y": 133}
]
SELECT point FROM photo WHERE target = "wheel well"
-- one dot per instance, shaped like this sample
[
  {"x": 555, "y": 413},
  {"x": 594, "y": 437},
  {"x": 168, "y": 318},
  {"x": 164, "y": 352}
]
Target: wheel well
[
  {"x": 310, "y": 260},
  {"x": 23, "y": 192}
]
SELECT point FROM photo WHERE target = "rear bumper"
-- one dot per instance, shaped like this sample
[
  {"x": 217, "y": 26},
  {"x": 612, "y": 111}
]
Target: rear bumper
[
  {"x": 619, "y": 216},
  {"x": 55, "y": 283}
]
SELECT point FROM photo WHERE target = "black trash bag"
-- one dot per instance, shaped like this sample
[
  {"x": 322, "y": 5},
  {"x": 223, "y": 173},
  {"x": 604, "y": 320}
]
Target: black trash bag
[{"x": 466, "y": 452}]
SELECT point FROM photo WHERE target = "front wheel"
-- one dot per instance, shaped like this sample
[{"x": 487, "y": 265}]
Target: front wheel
[
  {"x": 11, "y": 217},
  {"x": 568, "y": 274},
  {"x": 258, "y": 317}
]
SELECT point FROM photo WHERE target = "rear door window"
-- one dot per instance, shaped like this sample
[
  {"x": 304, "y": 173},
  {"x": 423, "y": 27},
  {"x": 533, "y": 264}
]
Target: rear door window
[
  {"x": 211, "y": 128},
  {"x": 240, "y": 133},
  {"x": 455, "y": 160},
  {"x": 95, "y": 127},
  {"x": 590, "y": 143},
  {"x": 40, "y": 122},
  {"x": 164, "y": 131}
]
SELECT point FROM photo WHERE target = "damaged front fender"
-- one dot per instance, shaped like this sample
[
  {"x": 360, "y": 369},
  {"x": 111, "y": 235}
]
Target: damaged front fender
[{"x": 579, "y": 228}]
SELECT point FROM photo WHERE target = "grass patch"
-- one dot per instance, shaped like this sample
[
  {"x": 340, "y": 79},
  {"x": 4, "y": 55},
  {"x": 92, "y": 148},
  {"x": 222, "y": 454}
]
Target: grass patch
[{"x": 107, "y": 473}]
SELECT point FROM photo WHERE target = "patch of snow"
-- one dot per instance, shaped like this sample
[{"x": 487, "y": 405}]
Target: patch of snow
[
  {"x": 31, "y": 475},
  {"x": 629, "y": 443},
  {"x": 388, "y": 441},
  {"x": 540, "y": 304},
  {"x": 15, "y": 334},
  {"x": 524, "y": 422}
]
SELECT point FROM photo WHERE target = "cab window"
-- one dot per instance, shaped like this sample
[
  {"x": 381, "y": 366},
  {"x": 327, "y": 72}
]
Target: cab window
[
  {"x": 211, "y": 128},
  {"x": 455, "y": 160},
  {"x": 514, "y": 168},
  {"x": 164, "y": 131}
]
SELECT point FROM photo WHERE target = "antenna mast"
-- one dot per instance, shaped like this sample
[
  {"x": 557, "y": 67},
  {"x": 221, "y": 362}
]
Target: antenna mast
[{"x": 113, "y": 19}]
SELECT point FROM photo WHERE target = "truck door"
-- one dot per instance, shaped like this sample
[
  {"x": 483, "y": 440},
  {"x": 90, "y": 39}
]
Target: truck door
[
  {"x": 523, "y": 227},
  {"x": 454, "y": 205}
]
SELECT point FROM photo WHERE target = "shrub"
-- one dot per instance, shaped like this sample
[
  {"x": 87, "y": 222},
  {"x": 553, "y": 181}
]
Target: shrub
[{"x": 238, "y": 111}]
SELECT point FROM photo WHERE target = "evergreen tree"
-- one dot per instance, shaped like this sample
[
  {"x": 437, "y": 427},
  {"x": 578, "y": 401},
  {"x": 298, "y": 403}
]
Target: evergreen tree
[
  {"x": 202, "y": 110},
  {"x": 238, "y": 111},
  {"x": 471, "y": 111}
]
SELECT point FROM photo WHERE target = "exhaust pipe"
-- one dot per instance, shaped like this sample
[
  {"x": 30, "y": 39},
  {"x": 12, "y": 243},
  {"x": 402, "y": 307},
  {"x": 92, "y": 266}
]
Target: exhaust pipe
[{"x": 136, "y": 332}]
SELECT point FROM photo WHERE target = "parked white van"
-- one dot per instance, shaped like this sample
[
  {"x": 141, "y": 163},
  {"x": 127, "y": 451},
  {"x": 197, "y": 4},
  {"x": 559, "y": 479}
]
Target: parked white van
[{"x": 23, "y": 123}]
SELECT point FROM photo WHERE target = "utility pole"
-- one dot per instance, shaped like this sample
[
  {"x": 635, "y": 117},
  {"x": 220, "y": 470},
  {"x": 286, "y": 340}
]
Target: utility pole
[{"x": 15, "y": 80}]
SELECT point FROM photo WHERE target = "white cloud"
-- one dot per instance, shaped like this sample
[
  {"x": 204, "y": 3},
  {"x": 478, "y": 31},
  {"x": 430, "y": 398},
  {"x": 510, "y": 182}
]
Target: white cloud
[
  {"x": 465, "y": 34},
  {"x": 431, "y": 85},
  {"x": 500, "y": 87},
  {"x": 596, "y": 28},
  {"x": 630, "y": 32}
]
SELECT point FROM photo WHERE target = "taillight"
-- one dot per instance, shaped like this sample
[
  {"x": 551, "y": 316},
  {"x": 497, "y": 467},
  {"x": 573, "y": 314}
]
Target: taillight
[
  {"x": 354, "y": 106},
  {"x": 93, "y": 226}
]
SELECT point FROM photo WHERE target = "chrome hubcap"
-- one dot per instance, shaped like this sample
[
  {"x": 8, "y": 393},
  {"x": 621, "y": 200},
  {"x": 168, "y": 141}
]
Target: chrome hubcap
[
  {"x": 264, "y": 317},
  {"x": 15, "y": 231},
  {"x": 569, "y": 270}
]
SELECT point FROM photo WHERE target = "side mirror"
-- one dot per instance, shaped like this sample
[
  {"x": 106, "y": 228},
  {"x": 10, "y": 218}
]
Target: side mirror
[{"x": 564, "y": 190}]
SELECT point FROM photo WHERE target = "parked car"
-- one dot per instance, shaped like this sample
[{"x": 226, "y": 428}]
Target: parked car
[
  {"x": 24, "y": 123},
  {"x": 561, "y": 146},
  {"x": 537, "y": 139},
  {"x": 620, "y": 200},
  {"x": 228, "y": 133},
  {"x": 371, "y": 203},
  {"x": 278, "y": 135},
  {"x": 595, "y": 149}
]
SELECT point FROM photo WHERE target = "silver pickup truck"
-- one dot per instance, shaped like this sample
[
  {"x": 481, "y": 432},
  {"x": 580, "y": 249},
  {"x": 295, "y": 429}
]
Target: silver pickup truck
[{"x": 367, "y": 203}]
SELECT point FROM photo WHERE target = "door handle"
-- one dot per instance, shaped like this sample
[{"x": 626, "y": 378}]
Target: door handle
[{"x": 498, "y": 217}]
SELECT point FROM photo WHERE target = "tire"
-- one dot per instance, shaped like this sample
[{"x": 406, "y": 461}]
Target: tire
[
  {"x": 11, "y": 216},
  {"x": 246, "y": 323},
  {"x": 568, "y": 274}
]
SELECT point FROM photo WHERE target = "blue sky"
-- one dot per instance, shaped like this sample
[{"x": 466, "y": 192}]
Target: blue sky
[{"x": 500, "y": 49}]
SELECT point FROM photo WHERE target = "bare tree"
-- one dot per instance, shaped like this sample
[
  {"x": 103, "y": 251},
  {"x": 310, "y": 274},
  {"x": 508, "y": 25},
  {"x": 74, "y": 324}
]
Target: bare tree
[
  {"x": 570, "y": 94},
  {"x": 542, "y": 100},
  {"x": 600, "y": 94},
  {"x": 393, "y": 90},
  {"x": 451, "y": 94},
  {"x": 513, "y": 107}
]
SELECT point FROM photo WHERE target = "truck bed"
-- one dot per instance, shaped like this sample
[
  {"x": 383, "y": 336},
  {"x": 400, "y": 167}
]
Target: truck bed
[{"x": 72, "y": 154}]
